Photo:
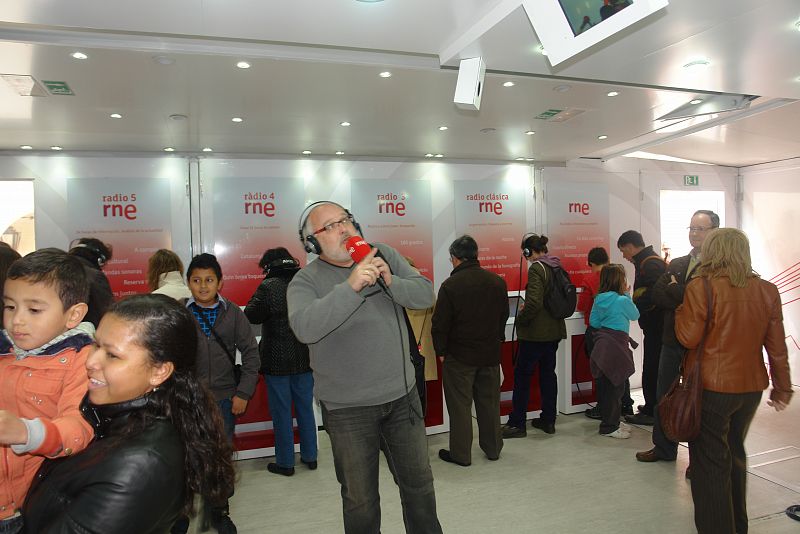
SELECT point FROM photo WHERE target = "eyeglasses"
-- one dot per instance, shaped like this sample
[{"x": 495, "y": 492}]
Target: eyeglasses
[
  {"x": 330, "y": 227},
  {"x": 699, "y": 229}
]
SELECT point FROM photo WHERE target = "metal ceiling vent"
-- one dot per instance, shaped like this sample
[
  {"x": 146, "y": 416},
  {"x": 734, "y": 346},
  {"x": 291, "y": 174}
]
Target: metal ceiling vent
[{"x": 559, "y": 115}]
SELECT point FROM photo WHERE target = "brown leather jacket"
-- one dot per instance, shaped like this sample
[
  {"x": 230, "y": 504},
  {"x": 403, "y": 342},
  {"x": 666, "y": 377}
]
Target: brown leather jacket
[{"x": 742, "y": 321}]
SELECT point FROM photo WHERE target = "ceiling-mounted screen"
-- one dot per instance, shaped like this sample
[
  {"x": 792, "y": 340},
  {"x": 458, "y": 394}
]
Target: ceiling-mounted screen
[{"x": 568, "y": 27}]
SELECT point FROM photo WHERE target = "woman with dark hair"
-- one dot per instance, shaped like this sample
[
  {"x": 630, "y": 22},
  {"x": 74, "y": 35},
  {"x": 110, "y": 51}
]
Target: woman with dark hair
[
  {"x": 165, "y": 275},
  {"x": 284, "y": 362},
  {"x": 94, "y": 255},
  {"x": 159, "y": 438},
  {"x": 745, "y": 318}
]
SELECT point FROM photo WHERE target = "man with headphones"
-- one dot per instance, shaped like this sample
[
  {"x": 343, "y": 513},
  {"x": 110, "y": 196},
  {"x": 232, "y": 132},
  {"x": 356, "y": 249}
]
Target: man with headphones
[{"x": 363, "y": 375}]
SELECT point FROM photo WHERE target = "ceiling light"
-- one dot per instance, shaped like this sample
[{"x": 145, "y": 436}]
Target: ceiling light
[
  {"x": 520, "y": 159},
  {"x": 428, "y": 155},
  {"x": 438, "y": 155},
  {"x": 163, "y": 60},
  {"x": 562, "y": 88},
  {"x": 542, "y": 50},
  {"x": 339, "y": 153},
  {"x": 488, "y": 130},
  {"x": 169, "y": 149},
  {"x": 56, "y": 148},
  {"x": 530, "y": 132},
  {"x": 344, "y": 123},
  {"x": 442, "y": 128},
  {"x": 528, "y": 159},
  {"x": 385, "y": 74},
  {"x": 237, "y": 119},
  {"x": 79, "y": 55},
  {"x": 243, "y": 65},
  {"x": 208, "y": 149},
  {"x": 115, "y": 116},
  {"x": 612, "y": 93},
  {"x": 695, "y": 101},
  {"x": 306, "y": 152},
  {"x": 26, "y": 147},
  {"x": 697, "y": 64},
  {"x": 601, "y": 137},
  {"x": 797, "y": 25},
  {"x": 178, "y": 117},
  {"x": 508, "y": 84}
]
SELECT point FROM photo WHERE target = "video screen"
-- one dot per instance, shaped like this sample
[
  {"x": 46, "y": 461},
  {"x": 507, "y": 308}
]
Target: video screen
[{"x": 583, "y": 14}]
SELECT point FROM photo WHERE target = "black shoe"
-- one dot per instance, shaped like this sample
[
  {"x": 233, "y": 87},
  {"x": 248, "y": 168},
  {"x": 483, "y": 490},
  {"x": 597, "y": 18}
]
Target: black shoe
[
  {"x": 444, "y": 454},
  {"x": 593, "y": 413},
  {"x": 640, "y": 419},
  {"x": 627, "y": 410},
  {"x": 311, "y": 465},
  {"x": 549, "y": 428},
  {"x": 278, "y": 470},
  {"x": 510, "y": 432},
  {"x": 223, "y": 524}
]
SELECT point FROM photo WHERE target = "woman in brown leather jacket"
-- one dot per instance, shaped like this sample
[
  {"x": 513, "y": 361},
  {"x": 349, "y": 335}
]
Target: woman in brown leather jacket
[{"x": 745, "y": 316}]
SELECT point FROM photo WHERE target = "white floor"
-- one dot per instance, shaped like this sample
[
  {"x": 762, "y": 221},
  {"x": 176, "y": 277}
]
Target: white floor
[{"x": 573, "y": 481}]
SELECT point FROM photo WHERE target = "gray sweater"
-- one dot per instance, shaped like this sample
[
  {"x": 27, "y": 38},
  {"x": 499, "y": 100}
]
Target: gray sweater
[{"x": 358, "y": 353}]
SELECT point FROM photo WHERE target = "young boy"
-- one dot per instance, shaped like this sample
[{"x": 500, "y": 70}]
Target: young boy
[
  {"x": 43, "y": 351},
  {"x": 222, "y": 329}
]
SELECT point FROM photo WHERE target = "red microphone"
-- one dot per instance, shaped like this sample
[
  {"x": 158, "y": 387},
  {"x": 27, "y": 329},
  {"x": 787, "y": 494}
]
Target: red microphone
[{"x": 358, "y": 250}]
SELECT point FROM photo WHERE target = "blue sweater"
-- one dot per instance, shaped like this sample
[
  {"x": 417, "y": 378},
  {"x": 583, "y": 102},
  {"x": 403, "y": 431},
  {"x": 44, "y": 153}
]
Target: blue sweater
[{"x": 614, "y": 311}]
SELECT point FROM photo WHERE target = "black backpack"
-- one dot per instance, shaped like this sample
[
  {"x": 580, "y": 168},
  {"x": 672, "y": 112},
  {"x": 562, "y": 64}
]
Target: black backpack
[{"x": 560, "y": 296}]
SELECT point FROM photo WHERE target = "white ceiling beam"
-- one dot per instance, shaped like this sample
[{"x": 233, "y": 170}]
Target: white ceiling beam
[{"x": 498, "y": 12}]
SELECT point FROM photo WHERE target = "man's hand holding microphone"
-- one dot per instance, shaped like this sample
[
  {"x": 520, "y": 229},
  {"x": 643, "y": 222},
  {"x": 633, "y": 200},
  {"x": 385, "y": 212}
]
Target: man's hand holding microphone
[{"x": 369, "y": 269}]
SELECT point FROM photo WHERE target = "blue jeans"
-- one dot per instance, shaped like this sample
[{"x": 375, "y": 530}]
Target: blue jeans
[
  {"x": 357, "y": 435},
  {"x": 531, "y": 354},
  {"x": 228, "y": 419},
  {"x": 12, "y": 525},
  {"x": 282, "y": 391}
]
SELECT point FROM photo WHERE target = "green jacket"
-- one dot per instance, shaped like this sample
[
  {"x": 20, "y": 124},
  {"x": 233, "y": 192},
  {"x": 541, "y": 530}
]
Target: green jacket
[{"x": 534, "y": 322}]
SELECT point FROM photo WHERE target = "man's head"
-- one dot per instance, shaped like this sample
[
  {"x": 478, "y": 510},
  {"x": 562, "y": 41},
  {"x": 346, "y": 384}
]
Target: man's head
[
  {"x": 205, "y": 279},
  {"x": 597, "y": 258},
  {"x": 703, "y": 221},
  {"x": 462, "y": 249},
  {"x": 330, "y": 225},
  {"x": 630, "y": 243},
  {"x": 44, "y": 295}
]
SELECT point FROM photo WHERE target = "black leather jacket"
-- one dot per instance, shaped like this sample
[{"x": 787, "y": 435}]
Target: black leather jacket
[{"x": 114, "y": 486}]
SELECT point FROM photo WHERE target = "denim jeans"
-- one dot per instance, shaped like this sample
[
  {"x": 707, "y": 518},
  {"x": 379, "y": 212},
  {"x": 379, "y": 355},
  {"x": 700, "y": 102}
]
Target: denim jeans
[
  {"x": 228, "y": 419},
  {"x": 282, "y": 390},
  {"x": 357, "y": 435},
  {"x": 531, "y": 354},
  {"x": 12, "y": 525}
]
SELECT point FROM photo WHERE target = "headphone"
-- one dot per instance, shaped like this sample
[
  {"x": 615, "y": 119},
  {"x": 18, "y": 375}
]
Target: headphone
[
  {"x": 101, "y": 258},
  {"x": 282, "y": 263},
  {"x": 310, "y": 243},
  {"x": 527, "y": 248}
]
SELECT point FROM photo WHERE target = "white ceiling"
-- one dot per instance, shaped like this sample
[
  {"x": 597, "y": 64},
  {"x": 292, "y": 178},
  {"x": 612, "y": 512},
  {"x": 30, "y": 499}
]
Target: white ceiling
[{"x": 316, "y": 63}]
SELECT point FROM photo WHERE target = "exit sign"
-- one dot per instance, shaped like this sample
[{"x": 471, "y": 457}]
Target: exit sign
[
  {"x": 58, "y": 88},
  {"x": 689, "y": 179}
]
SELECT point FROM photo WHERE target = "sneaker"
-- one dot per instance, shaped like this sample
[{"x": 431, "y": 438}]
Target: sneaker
[
  {"x": 223, "y": 524},
  {"x": 549, "y": 428},
  {"x": 593, "y": 413},
  {"x": 513, "y": 432},
  {"x": 618, "y": 434}
]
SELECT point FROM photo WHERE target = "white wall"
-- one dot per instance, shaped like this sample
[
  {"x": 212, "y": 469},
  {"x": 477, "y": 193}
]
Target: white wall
[{"x": 771, "y": 218}]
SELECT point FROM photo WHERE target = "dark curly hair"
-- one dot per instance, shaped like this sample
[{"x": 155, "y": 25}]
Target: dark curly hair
[
  {"x": 167, "y": 331},
  {"x": 92, "y": 250}
]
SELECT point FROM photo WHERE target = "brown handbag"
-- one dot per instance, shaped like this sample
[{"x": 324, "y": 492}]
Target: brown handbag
[{"x": 680, "y": 409}]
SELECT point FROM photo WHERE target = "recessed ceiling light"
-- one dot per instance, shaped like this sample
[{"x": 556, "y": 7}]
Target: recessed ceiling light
[
  {"x": 26, "y": 147},
  {"x": 438, "y": 155},
  {"x": 488, "y": 130},
  {"x": 530, "y": 132},
  {"x": 178, "y": 117},
  {"x": 528, "y": 159},
  {"x": 208, "y": 149},
  {"x": 697, "y": 64},
  {"x": 115, "y": 116},
  {"x": 442, "y": 128},
  {"x": 237, "y": 119},
  {"x": 562, "y": 88},
  {"x": 695, "y": 101},
  {"x": 601, "y": 137},
  {"x": 520, "y": 159},
  {"x": 54, "y": 147},
  {"x": 508, "y": 84},
  {"x": 163, "y": 60},
  {"x": 385, "y": 74},
  {"x": 169, "y": 149},
  {"x": 79, "y": 55},
  {"x": 339, "y": 153},
  {"x": 344, "y": 123},
  {"x": 306, "y": 152},
  {"x": 797, "y": 25},
  {"x": 243, "y": 65},
  {"x": 612, "y": 93},
  {"x": 428, "y": 155},
  {"x": 542, "y": 50}
]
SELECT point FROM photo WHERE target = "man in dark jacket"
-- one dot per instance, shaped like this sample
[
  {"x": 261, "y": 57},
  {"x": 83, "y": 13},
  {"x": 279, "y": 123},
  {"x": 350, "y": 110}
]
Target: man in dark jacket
[
  {"x": 648, "y": 268},
  {"x": 468, "y": 328},
  {"x": 668, "y": 295}
]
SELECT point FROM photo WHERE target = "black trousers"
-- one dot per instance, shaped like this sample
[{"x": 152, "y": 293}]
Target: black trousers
[
  {"x": 669, "y": 367},
  {"x": 719, "y": 462},
  {"x": 652, "y": 355},
  {"x": 608, "y": 399}
]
